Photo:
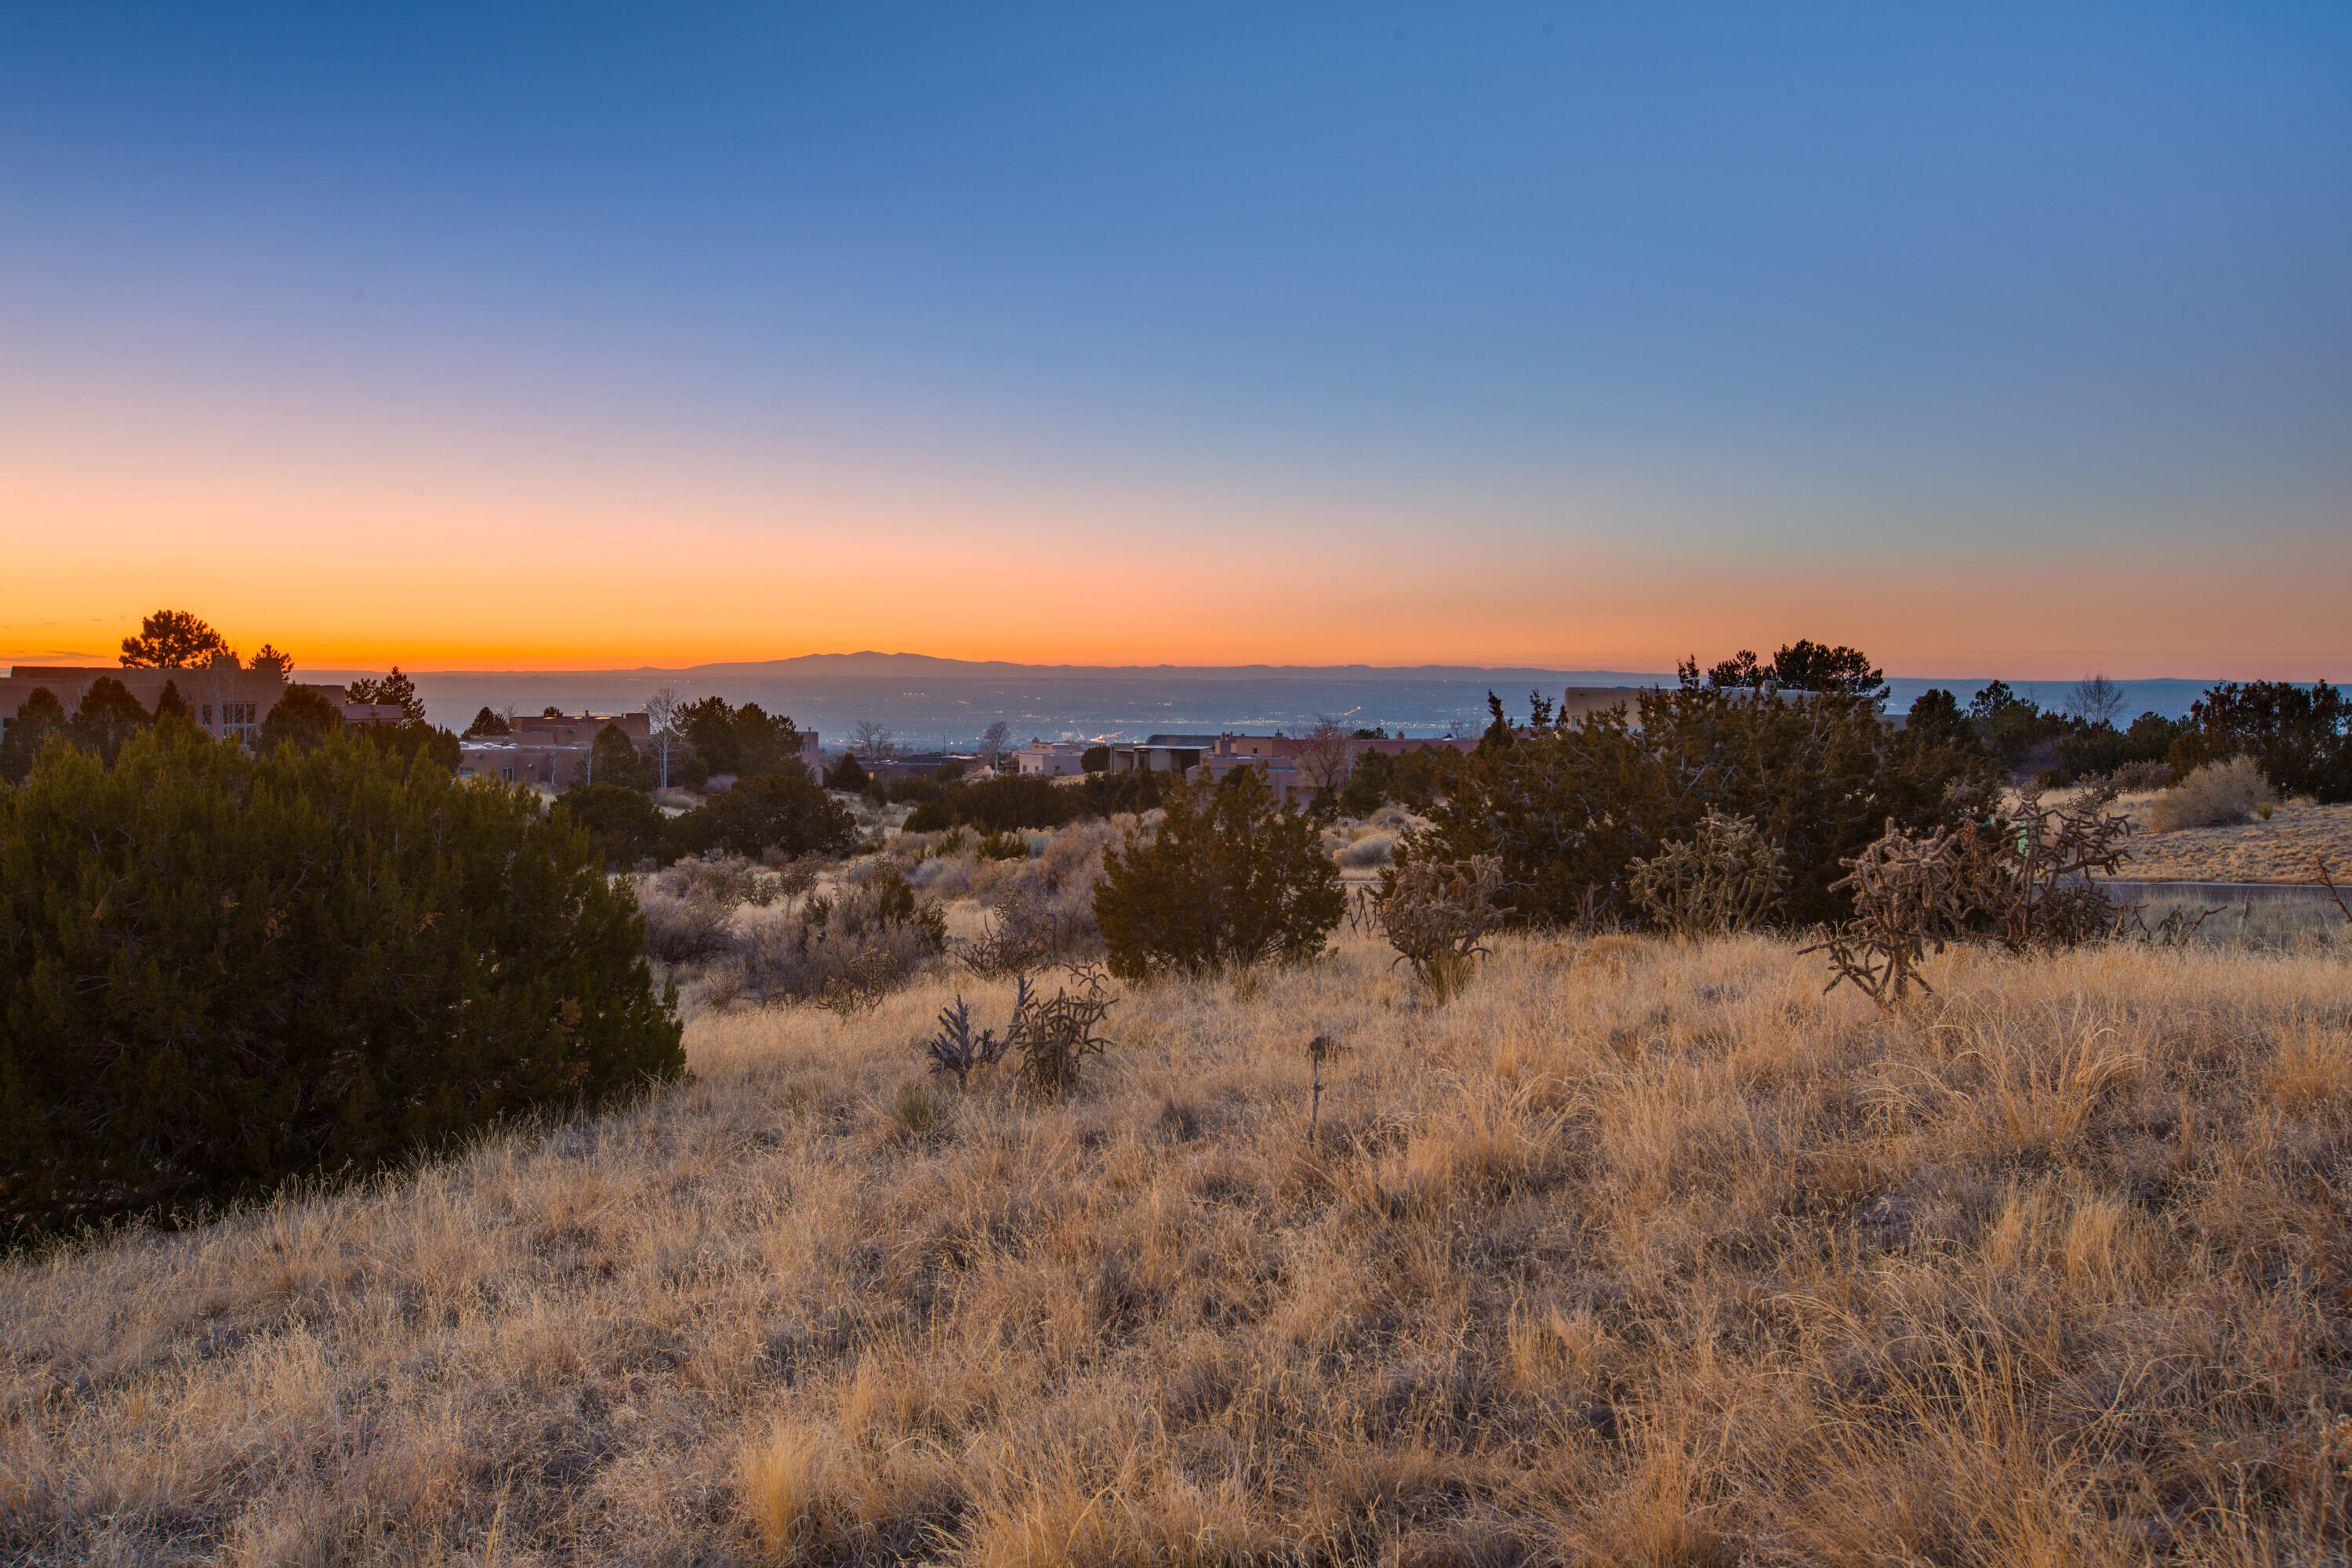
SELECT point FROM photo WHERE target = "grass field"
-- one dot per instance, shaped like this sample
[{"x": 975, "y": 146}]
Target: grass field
[
  {"x": 1633, "y": 1254},
  {"x": 2278, "y": 851}
]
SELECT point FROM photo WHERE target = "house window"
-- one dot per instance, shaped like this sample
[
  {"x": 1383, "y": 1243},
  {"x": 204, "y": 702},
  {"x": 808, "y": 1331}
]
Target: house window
[{"x": 208, "y": 715}]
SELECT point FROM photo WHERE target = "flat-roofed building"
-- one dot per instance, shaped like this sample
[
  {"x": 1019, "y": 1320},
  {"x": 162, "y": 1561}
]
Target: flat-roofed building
[
  {"x": 1278, "y": 757},
  {"x": 548, "y": 753},
  {"x": 1161, "y": 754},
  {"x": 224, "y": 699},
  {"x": 1052, "y": 757}
]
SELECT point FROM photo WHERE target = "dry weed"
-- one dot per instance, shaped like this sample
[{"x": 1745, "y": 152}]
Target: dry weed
[{"x": 1634, "y": 1252}]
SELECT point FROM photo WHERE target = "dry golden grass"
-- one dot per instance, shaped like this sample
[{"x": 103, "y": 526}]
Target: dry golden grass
[
  {"x": 1634, "y": 1252},
  {"x": 2278, "y": 851}
]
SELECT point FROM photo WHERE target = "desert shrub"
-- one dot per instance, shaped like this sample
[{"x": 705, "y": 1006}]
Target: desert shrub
[
  {"x": 682, "y": 928},
  {"x": 1003, "y": 846},
  {"x": 1436, "y": 915},
  {"x": 1570, "y": 808},
  {"x": 871, "y": 938},
  {"x": 944, "y": 877},
  {"x": 1073, "y": 858},
  {"x": 1728, "y": 878},
  {"x": 623, "y": 823},
  {"x": 2299, "y": 737},
  {"x": 1372, "y": 849},
  {"x": 219, "y": 971},
  {"x": 1230, "y": 879},
  {"x": 783, "y": 811},
  {"x": 715, "y": 877},
  {"x": 2139, "y": 777},
  {"x": 999, "y": 806},
  {"x": 2218, "y": 795},
  {"x": 1029, "y": 928}
]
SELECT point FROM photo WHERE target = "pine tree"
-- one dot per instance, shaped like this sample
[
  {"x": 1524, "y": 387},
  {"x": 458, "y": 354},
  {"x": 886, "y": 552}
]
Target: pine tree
[
  {"x": 38, "y": 717},
  {"x": 107, "y": 717},
  {"x": 613, "y": 760},
  {"x": 305, "y": 717},
  {"x": 172, "y": 639}
]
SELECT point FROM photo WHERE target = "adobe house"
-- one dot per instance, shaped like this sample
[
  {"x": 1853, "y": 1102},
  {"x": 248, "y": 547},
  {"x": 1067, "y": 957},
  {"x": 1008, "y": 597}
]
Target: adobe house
[
  {"x": 1052, "y": 757},
  {"x": 1278, "y": 757},
  {"x": 1162, "y": 754},
  {"x": 547, "y": 752},
  {"x": 225, "y": 698}
]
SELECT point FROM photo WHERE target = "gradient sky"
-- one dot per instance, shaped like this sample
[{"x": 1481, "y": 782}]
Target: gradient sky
[{"x": 1998, "y": 341}]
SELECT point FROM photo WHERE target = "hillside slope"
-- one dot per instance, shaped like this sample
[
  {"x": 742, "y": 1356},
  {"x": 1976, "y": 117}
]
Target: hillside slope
[{"x": 1635, "y": 1252}]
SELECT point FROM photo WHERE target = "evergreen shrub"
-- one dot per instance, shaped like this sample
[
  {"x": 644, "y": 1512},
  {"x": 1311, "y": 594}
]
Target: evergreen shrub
[
  {"x": 999, "y": 806},
  {"x": 783, "y": 812},
  {"x": 1230, "y": 879},
  {"x": 220, "y": 972},
  {"x": 1572, "y": 807},
  {"x": 2299, "y": 737}
]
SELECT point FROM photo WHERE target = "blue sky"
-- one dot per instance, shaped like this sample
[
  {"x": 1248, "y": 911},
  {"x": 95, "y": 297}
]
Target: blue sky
[{"x": 1649, "y": 288}]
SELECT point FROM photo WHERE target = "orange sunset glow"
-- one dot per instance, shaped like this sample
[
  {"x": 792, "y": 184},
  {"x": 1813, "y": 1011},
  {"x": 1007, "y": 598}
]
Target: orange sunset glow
[{"x": 1613, "y": 392}]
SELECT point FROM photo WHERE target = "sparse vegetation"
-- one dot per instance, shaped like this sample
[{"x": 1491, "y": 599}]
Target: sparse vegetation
[
  {"x": 856, "y": 946},
  {"x": 1634, "y": 1251},
  {"x": 2217, "y": 794},
  {"x": 2022, "y": 880},
  {"x": 1640, "y": 1252}
]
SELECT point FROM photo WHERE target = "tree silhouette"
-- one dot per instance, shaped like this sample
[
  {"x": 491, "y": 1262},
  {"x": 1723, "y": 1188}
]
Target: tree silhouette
[{"x": 172, "y": 639}]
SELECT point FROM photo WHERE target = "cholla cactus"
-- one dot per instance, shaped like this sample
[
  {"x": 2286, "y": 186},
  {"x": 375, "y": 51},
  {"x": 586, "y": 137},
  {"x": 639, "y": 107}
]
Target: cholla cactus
[
  {"x": 1907, "y": 892},
  {"x": 956, "y": 1049},
  {"x": 1727, "y": 879},
  {"x": 2023, "y": 880},
  {"x": 1054, "y": 1037},
  {"x": 1436, "y": 913}
]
